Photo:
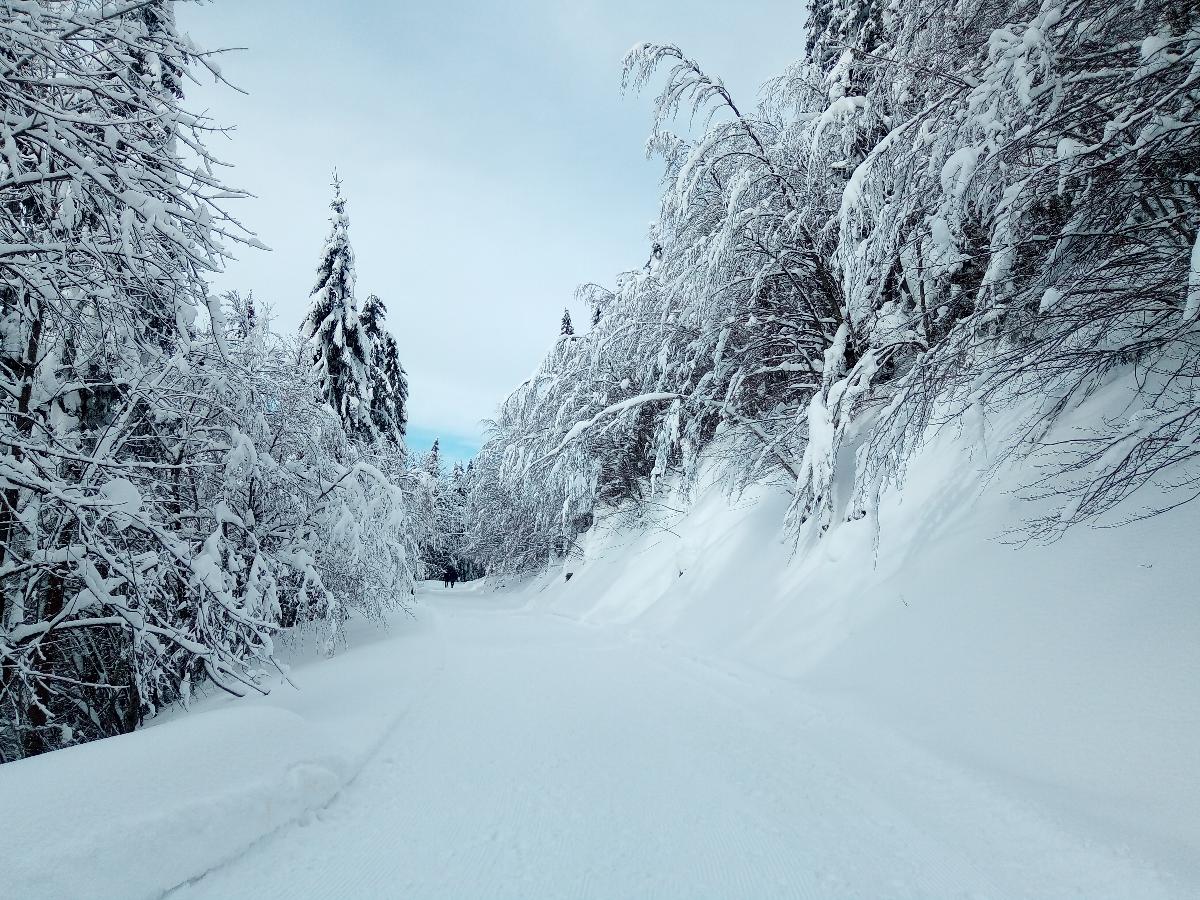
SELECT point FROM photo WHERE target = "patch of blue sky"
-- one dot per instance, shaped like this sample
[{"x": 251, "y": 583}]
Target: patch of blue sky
[{"x": 453, "y": 447}]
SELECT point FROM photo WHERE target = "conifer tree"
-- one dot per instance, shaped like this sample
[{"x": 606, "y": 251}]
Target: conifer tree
[
  {"x": 250, "y": 319},
  {"x": 242, "y": 312},
  {"x": 397, "y": 382},
  {"x": 389, "y": 385},
  {"x": 339, "y": 350},
  {"x": 433, "y": 460},
  {"x": 371, "y": 319},
  {"x": 567, "y": 328}
]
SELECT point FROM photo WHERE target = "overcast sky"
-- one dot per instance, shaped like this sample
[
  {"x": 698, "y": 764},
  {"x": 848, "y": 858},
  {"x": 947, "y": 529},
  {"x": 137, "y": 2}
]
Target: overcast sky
[{"x": 489, "y": 161}]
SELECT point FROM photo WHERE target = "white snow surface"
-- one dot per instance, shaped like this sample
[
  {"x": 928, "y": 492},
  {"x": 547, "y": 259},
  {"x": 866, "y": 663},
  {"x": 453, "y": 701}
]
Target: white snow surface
[{"x": 695, "y": 713}]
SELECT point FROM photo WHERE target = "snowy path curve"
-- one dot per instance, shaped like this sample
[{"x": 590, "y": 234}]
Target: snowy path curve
[{"x": 554, "y": 759}]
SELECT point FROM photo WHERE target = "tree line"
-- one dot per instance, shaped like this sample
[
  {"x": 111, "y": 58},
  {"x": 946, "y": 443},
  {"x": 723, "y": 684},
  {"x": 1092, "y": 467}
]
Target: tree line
[
  {"x": 179, "y": 484},
  {"x": 939, "y": 212}
]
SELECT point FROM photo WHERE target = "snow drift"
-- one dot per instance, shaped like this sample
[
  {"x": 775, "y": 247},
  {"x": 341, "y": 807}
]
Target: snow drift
[
  {"x": 137, "y": 815},
  {"x": 1067, "y": 671}
]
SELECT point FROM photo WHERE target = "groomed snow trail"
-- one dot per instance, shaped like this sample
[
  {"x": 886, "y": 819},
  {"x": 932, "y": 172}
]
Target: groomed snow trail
[{"x": 554, "y": 759}]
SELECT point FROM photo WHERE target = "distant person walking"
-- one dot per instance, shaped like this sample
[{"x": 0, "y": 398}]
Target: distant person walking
[{"x": 450, "y": 577}]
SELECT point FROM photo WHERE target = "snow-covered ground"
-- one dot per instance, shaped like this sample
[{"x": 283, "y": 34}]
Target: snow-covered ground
[
  {"x": 553, "y": 759},
  {"x": 135, "y": 815},
  {"x": 694, "y": 713},
  {"x": 496, "y": 750},
  {"x": 545, "y": 758}
]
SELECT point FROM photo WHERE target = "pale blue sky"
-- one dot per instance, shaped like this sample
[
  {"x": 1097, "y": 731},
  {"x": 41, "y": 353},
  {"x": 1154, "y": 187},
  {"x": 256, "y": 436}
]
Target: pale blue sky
[{"x": 489, "y": 159}]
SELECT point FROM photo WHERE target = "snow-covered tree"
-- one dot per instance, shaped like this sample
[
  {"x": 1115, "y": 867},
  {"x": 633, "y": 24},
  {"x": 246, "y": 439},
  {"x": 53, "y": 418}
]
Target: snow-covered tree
[
  {"x": 566, "y": 329},
  {"x": 339, "y": 350},
  {"x": 940, "y": 210},
  {"x": 430, "y": 477},
  {"x": 432, "y": 462},
  {"x": 173, "y": 491},
  {"x": 389, "y": 384},
  {"x": 110, "y": 219},
  {"x": 454, "y": 526}
]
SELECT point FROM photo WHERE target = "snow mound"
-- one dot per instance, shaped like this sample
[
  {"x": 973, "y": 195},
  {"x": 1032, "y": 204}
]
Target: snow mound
[{"x": 137, "y": 815}]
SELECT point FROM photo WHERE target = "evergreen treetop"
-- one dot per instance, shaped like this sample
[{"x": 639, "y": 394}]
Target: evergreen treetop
[
  {"x": 389, "y": 385},
  {"x": 339, "y": 350}
]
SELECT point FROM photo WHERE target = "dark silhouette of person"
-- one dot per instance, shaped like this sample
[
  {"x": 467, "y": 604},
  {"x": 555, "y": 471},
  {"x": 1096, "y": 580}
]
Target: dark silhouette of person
[{"x": 450, "y": 576}]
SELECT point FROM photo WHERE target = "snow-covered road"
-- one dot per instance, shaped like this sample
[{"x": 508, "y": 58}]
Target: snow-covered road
[{"x": 553, "y": 759}]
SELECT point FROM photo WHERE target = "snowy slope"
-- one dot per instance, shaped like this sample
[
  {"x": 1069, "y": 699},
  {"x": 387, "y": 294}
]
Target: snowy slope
[{"x": 1068, "y": 673}]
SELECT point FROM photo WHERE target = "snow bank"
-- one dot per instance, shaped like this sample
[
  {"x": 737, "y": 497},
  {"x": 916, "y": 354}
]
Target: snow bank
[
  {"x": 134, "y": 816},
  {"x": 1068, "y": 672}
]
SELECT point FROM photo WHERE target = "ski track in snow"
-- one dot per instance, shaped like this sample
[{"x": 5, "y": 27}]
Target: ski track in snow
[{"x": 551, "y": 759}]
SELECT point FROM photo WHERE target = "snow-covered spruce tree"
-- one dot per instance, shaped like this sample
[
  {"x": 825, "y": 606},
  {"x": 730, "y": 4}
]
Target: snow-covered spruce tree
[
  {"x": 432, "y": 461},
  {"x": 566, "y": 329},
  {"x": 242, "y": 315},
  {"x": 339, "y": 350},
  {"x": 389, "y": 384},
  {"x": 395, "y": 379}
]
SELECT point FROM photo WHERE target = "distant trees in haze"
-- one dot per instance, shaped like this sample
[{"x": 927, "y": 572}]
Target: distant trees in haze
[{"x": 444, "y": 509}]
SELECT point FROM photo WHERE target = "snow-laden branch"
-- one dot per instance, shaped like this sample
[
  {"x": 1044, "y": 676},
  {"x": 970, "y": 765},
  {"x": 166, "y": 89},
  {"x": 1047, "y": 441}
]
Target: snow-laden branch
[{"x": 577, "y": 430}]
